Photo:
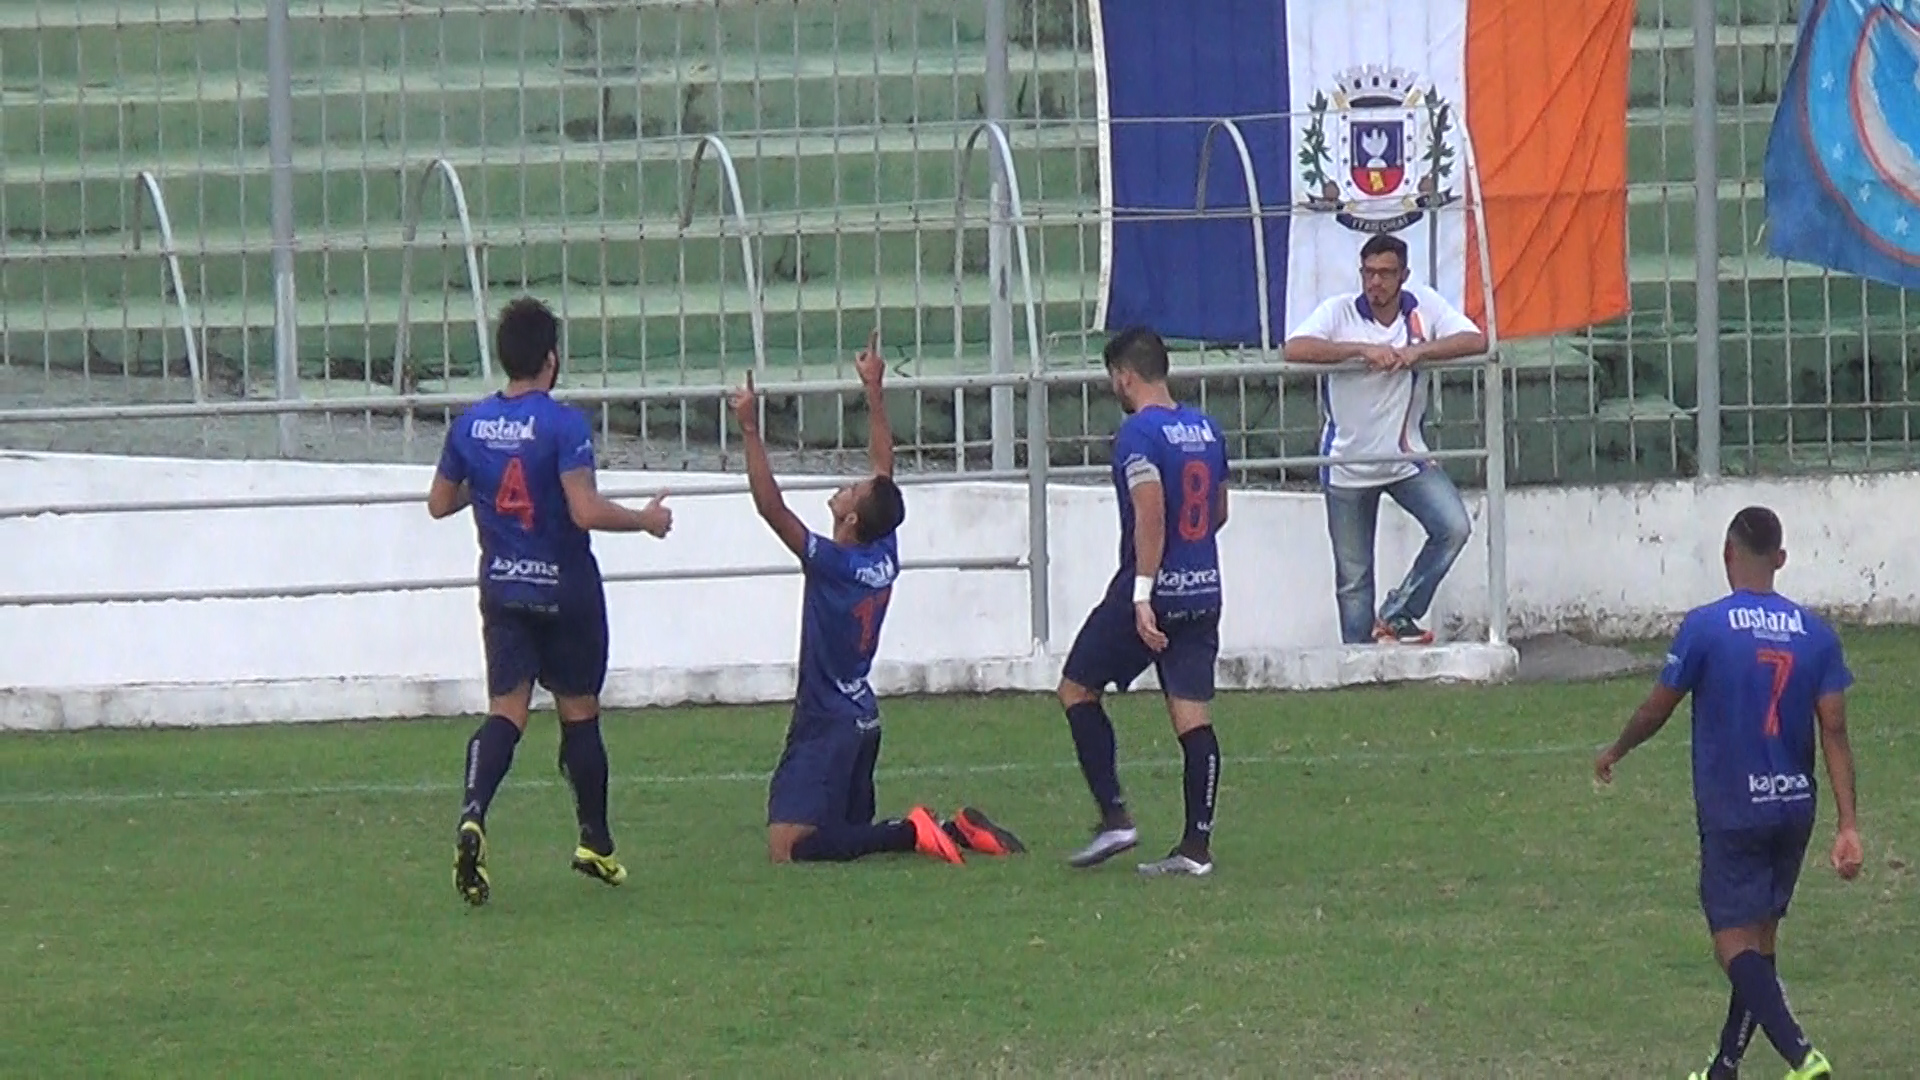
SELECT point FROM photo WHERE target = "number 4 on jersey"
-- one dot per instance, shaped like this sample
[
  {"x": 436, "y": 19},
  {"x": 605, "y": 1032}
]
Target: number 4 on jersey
[{"x": 512, "y": 499}]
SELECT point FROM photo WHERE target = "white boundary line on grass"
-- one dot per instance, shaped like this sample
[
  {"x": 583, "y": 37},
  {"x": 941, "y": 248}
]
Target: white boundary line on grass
[{"x": 451, "y": 790}]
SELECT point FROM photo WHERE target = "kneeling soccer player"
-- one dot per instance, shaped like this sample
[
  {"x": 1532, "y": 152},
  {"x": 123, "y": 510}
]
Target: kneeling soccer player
[
  {"x": 820, "y": 802},
  {"x": 524, "y": 462},
  {"x": 1765, "y": 674}
]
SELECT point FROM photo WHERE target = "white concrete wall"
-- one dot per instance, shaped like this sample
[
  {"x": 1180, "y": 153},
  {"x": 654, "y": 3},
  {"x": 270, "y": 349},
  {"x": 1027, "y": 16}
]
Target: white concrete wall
[{"x": 1613, "y": 560}]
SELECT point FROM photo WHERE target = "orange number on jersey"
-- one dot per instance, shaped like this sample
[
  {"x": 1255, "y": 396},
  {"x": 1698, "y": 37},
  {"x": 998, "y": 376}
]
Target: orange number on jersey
[
  {"x": 1781, "y": 661},
  {"x": 869, "y": 612},
  {"x": 1196, "y": 500},
  {"x": 512, "y": 499}
]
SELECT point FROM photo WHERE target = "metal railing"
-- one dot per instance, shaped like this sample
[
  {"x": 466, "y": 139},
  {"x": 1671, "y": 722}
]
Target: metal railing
[{"x": 847, "y": 122}]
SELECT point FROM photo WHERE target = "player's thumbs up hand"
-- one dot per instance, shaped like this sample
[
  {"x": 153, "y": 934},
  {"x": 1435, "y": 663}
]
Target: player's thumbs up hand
[{"x": 658, "y": 516}]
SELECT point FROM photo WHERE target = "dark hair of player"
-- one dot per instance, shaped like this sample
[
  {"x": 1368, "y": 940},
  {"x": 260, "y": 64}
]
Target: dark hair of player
[
  {"x": 1385, "y": 244},
  {"x": 1140, "y": 351},
  {"x": 881, "y": 512},
  {"x": 527, "y": 334},
  {"x": 1756, "y": 531}
]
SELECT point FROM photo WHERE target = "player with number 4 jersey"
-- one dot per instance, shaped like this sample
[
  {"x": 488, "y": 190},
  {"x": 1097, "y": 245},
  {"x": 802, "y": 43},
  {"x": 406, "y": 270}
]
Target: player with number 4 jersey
[
  {"x": 525, "y": 464},
  {"x": 821, "y": 799},
  {"x": 1163, "y": 606},
  {"x": 1768, "y": 682}
]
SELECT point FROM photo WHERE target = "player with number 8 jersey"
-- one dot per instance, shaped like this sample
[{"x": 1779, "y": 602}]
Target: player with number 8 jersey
[{"x": 1163, "y": 606}]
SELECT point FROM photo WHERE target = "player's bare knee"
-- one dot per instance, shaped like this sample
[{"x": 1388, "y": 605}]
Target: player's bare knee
[
  {"x": 516, "y": 705},
  {"x": 1188, "y": 715},
  {"x": 1072, "y": 693},
  {"x": 576, "y": 710},
  {"x": 782, "y": 839}
]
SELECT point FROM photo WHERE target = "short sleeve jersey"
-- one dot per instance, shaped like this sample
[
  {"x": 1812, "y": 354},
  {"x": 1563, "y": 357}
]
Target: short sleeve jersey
[
  {"x": 1183, "y": 449},
  {"x": 1377, "y": 413},
  {"x": 511, "y": 453},
  {"x": 843, "y": 607},
  {"x": 1755, "y": 664}
]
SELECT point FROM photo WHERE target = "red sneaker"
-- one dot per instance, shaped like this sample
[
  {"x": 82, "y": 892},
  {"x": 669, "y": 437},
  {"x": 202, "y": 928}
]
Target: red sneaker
[
  {"x": 980, "y": 834},
  {"x": 930, "y": 839}
]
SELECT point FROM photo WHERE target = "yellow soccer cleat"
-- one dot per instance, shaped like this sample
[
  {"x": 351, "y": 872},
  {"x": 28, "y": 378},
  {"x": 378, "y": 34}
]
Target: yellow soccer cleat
[
  {"x": 470, "y": 863},
  {"x": 599, "y": 867},
  {"x": 1814, "y": 1068}
]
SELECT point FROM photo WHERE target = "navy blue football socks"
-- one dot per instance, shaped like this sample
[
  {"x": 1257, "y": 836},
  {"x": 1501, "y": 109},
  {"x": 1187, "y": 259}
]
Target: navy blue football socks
[
  {"x": 844, "y": 843},
  {"x": 1201, "y": 750},
  {"x": 1093, "y": 743},
  {"x": 1758, "y": 989},
  {"x": 1735, "y": 1035},
  {"x": 489, "y": 756},
  {"x": 583, "y": 758}
]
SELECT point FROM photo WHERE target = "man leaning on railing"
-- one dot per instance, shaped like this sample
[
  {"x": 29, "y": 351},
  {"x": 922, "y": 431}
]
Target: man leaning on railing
[{"x": 1376, "y": 413}]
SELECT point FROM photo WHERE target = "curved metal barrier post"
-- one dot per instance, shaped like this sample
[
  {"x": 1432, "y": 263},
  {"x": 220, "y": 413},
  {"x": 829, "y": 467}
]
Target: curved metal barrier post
[
  {"x": 1258, "y": 220},
  {"x": 170, "y": 263},
  {"x": 757, "y": 310},
  {"x": 1494, "y": 422},
  {"x": 476, "y": 284},
  {"x": 1037, "y": 420}
]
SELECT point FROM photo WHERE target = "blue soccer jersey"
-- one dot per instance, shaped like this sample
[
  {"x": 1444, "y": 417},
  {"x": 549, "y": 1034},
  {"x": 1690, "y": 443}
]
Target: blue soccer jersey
[
  {"x": 845, "y": 603},
  {"x": 1755, "y": 664},
  {"x": 1183, "y": 449},
  {"x": 511, "y": 453}
]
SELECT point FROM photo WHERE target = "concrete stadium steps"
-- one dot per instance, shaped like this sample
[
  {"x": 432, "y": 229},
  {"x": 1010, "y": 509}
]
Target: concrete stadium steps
[
  {"x": 543, "y": 102},
  {"x": 339, "y": 189},
  {"x": 81, "y": 38},
  {"x": 1750, "y": 59},
  {"x": 1754, "y": 291},
  {"x": 139, "y": 109},
  {"x": 1773, "y": 373},
  {"x": 633, "y": 327},
  {"x": 809, "y": 246},
  {"x": 1660, "y": 143}
]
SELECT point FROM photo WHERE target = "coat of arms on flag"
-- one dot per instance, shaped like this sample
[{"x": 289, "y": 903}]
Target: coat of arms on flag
[{"x": 1394, "y": 147}]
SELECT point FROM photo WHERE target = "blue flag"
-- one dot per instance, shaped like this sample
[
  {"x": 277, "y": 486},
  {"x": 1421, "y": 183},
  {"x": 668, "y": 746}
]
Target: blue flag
[
  {"x": 1842, "y": 167},
  {"x": 1168, "y": 68}
]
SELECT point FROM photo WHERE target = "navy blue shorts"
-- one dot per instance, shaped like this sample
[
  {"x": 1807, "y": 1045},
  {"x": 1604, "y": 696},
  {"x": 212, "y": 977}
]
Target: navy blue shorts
[
  {"x": 564, "y": 647},
  {"x": 1747, "y": 876},
  {"x": 825, "y": 775},
  {"x": 1108, "y": 651}
]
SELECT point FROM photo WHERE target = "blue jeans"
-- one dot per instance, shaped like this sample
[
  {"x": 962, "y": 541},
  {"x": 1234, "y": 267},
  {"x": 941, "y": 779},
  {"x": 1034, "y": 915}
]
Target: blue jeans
[{"x": 1352, "y": 514}]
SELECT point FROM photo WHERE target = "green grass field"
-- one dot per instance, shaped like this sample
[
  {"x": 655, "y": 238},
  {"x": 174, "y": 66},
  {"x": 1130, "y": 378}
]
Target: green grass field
[{"x": 1412, "y": 882}]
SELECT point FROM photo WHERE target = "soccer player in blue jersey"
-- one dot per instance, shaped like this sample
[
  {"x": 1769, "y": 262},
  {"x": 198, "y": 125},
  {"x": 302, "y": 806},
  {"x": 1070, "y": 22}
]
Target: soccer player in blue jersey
[
  {"x": 1163, "y": 606},
  {"x": 1766, "y": 675},
  {"x": 524, "y": 463},
  {"x": 821, "y": 801}
]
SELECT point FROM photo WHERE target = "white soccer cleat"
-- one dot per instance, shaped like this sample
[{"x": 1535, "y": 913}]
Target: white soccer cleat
[
  {"x": 1106, "y": 844},
  {"x": 1177, "y": 864}
]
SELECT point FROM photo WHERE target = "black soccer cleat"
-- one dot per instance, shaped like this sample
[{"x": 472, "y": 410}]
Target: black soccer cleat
[{"x": 470, "y": 864}]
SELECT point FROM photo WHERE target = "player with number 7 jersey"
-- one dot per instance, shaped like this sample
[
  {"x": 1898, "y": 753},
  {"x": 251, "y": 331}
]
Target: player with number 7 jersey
[{"x": 820, "y": 799}]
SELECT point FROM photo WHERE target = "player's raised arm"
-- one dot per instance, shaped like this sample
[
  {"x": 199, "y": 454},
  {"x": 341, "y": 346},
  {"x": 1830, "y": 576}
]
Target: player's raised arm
[
  {"x": 872, "y": 368},
  {"x": 767, "y": 500}
]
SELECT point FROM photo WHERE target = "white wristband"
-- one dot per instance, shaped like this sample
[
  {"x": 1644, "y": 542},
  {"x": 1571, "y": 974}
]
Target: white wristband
[{"x": 1142, "y": 590}]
